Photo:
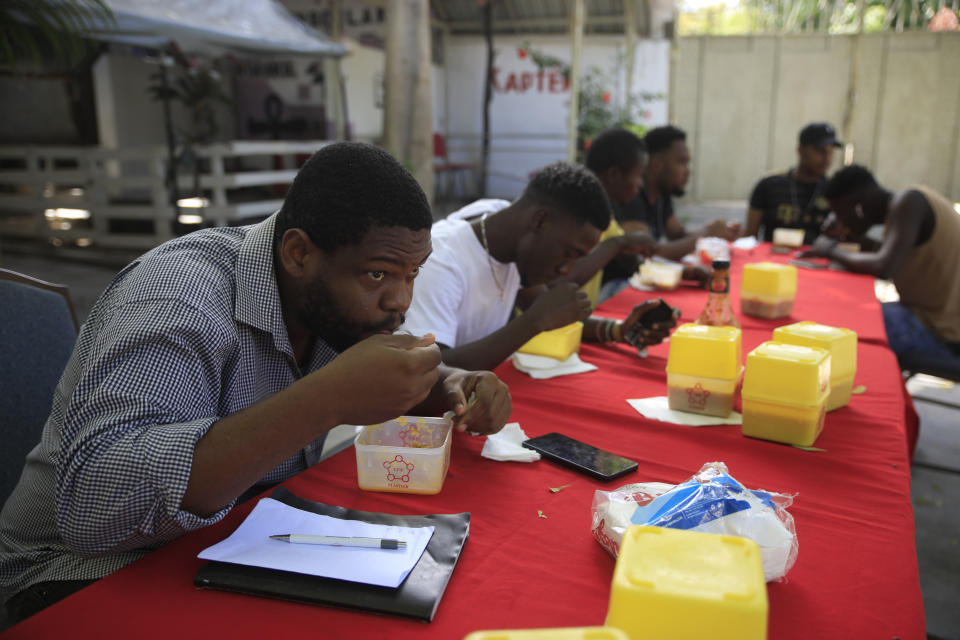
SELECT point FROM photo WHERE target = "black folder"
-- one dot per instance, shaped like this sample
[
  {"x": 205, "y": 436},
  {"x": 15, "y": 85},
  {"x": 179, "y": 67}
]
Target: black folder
[{"x": 417, "y": 597}]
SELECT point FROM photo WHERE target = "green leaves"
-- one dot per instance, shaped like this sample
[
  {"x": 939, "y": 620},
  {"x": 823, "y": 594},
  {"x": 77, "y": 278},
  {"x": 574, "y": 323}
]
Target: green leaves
[
  {"x": 31, "y": 28},
  {"x": 199, "y": 90}
]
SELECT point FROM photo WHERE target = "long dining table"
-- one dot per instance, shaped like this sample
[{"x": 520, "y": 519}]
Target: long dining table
[{"x": 531, "y": 560}]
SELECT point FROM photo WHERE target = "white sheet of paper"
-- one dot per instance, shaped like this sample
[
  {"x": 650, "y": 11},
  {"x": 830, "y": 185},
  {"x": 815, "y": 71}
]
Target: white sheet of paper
[
  {"x": 541, "y": 367},
  {"x": 251, "y": 545},
  {"x": 658, "y": 408}
]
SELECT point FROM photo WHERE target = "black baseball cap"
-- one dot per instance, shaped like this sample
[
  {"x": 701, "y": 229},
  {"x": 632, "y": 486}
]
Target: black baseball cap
[{"x": 819, "y": 134}]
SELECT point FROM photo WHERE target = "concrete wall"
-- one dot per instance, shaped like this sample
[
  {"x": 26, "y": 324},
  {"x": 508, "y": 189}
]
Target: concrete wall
[
  {"x": 126, "y": 114},
  {"x": 528, "y": 114},
  {"x": 742, "y": 101},
  {"x": 35, "y": 111}
]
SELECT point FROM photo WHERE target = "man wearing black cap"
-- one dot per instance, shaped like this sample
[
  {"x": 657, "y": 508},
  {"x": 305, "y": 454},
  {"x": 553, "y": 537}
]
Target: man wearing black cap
[{"x": 794, "y": 199}]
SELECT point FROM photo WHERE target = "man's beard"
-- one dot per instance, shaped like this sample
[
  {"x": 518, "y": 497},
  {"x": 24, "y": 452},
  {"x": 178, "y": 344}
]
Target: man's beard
[
  {"x": 324, "y": 318},
  {"x": 678, "y": 193}
]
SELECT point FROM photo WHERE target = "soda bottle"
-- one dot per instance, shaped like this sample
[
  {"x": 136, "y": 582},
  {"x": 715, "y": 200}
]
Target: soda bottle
[{"x": 719, "y": 311}]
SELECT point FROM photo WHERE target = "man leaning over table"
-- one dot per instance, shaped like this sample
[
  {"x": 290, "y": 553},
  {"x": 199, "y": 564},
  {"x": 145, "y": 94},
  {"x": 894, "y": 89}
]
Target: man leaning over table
[
  {"x": 918, "y": 252},
  {"x": 484, "y": 252},
  {"x": 216, "y": 363}
]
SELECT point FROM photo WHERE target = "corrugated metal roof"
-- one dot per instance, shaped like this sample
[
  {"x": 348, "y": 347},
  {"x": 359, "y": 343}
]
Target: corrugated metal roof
[{"x": 540, "y": 16}]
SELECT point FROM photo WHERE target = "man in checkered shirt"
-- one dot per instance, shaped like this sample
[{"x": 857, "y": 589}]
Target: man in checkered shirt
[{"x": 218, "y": 361}]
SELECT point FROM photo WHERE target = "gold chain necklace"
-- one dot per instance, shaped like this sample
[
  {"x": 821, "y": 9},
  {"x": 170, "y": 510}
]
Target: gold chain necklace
[{"x": 486, "y": 247}]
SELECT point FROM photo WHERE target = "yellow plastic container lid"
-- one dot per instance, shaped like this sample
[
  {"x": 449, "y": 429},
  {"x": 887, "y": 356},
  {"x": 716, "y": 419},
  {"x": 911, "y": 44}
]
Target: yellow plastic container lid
[
  {"x": 559, "y": 343},
  {"x": 706, "y": 352},
  {"x": 567, "y": 633},
  {"x": 769, "y": 279},
  {"x": 678, "y": 584},
  {"x": 841, "y": 343},
  {"x": 787, "y": 374}
]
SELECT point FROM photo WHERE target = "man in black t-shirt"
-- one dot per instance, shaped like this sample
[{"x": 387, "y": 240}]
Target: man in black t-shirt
[
  {"x": 793, "y": 199},
  {"x": 651, "y": 211}
]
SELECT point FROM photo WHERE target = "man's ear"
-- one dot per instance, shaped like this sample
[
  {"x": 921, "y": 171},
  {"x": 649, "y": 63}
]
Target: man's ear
[
  {"x": 539, "y": 219},
  {"x": 295, "y": 250},
  {"x": 611, "y": 176},
  {"x": 655, "y": 165}
]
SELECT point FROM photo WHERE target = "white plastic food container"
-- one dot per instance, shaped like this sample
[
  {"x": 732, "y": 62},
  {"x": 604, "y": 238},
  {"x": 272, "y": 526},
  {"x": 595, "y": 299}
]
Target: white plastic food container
[
  {"x": 408, "y": 454},
  {"x": 788, "y": 237}
]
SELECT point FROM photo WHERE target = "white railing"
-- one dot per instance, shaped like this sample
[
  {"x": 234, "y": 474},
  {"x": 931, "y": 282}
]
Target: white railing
[{"x": 118, "y": 198}]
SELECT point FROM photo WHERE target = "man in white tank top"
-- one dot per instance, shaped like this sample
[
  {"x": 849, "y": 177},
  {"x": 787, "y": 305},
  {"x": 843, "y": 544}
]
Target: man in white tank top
[{"x": 918, "y": 252}]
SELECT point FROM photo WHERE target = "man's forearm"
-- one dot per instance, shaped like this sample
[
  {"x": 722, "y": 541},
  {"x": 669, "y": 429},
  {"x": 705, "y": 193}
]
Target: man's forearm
[
  {"x": 590, "y": 264},
  {"x": 488, "y": 352},
  {"x": 676, "y": 249},
  {"x": 240, "y": 449},
  {"x": 868, "y": 263},
  {"x": 436, "y": 403},
  {"x": 602, "y": 330}
]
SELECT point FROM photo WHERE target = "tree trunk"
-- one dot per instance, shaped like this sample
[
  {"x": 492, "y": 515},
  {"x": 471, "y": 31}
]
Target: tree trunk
[
  {"x": 578, "y": 13},
  {"x": 487, "y": 97},
  {"x": 408, "y": 104}
]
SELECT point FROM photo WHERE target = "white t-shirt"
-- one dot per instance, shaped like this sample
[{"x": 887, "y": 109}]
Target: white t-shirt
[{"x": 456, "y": 296}]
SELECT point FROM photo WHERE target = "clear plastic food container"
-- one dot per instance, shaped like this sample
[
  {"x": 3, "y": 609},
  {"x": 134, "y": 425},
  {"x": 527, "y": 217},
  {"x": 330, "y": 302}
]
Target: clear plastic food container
[
  {"x": 408, "y": 454},
  {"x": 783, "y": 237},
  {"x": 662, "y": 275}
]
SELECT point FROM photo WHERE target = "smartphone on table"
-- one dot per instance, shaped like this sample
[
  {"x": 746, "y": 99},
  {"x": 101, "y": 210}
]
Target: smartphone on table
[
  {"x": 659, "y": 313},
  {"x": 581, "y": 456}
]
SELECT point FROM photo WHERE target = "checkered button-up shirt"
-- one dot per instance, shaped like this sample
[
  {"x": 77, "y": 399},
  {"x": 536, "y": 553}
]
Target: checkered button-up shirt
[{"x": 189, "y": 333}]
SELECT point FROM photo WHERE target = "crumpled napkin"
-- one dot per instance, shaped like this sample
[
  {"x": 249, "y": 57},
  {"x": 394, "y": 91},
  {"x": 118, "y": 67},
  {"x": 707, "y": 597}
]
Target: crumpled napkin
[
  {"x": 541, "y": 367},
  {"x": 506, "y": 445},
  {"x": 658, "y": 409},
  {"x": 747, "y": 243}
]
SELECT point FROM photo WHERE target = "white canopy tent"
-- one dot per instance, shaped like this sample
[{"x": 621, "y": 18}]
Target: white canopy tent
[{"x": 213, "y": 27}]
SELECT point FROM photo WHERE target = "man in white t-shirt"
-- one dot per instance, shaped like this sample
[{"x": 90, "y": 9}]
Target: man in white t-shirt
[{"x": 484, "y": 253}]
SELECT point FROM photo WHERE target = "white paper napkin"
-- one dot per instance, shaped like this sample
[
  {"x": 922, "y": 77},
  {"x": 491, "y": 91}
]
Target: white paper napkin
[
  {"x": 746, "y": 243},
  {"x": 541, "y": 367},
  {"x": 658, "y": 409},
  {"x": 506, "y": 445}
]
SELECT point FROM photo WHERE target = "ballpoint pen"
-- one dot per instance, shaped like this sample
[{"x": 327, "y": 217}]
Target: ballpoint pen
[{"x": 341, "y": 541}]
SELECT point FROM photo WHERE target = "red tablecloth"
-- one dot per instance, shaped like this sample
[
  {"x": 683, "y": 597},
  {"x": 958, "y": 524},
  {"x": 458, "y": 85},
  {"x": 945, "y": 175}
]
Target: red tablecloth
[
  {"x": 855, "y": 577},
  {"x": 827, "y": 296}
]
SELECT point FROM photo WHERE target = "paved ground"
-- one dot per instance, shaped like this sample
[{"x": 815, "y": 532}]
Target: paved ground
[{"x": 935, "y": 473}]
